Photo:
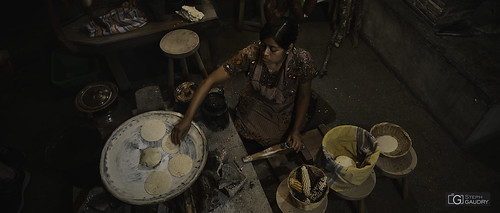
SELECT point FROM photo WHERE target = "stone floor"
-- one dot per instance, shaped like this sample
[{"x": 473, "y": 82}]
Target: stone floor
[{"x": 358, "y": 86}]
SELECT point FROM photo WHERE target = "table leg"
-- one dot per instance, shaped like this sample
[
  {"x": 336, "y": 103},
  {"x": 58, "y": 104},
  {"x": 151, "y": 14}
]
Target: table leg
[
  {"x": 262, "y": 15},
  {"x": 241, "y": 13},
  {"x": 200, "y": 64},
  {"x": 362, "y": 206},
  {"x": 405, "y": 187},
  {"x": 184, "y": 68},
  {"x": 118, "y": 72}
]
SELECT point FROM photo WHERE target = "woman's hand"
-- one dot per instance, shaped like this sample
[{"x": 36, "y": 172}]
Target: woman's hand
[
  {"x": 295, "y": 141},
  {"x": 180, "y": 131}
]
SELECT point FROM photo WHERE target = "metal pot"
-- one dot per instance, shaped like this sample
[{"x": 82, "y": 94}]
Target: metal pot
[
  {"x": 102, "y": 104},
  {"x": 215, "y": 110}
]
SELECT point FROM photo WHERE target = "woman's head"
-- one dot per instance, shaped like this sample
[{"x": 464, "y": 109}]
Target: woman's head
[{"x": 284, "y": 32}]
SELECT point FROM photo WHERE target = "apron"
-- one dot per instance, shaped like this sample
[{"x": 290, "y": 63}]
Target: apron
[{"x": 264, "y": 112}]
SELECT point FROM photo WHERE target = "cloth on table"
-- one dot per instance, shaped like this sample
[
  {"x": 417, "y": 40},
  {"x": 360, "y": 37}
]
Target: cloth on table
[
  {"x": 190, "y": 13},
  {"x": 119, "y": 20}
]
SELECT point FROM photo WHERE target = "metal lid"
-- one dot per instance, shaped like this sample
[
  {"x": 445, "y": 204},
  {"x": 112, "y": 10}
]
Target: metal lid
[{"x": 96, "y": 96}]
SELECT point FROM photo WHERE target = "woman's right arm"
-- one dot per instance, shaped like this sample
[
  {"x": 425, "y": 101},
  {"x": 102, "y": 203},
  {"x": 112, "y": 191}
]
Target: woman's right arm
[{"x": 181, "y": 129}]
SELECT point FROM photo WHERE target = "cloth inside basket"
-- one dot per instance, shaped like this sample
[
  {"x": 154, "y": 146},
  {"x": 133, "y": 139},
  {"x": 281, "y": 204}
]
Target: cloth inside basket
[{"x": 355, "y": 143}]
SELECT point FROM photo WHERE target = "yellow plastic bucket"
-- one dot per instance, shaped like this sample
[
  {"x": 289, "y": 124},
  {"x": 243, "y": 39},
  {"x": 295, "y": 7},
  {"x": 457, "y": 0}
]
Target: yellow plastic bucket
[{"x": 352, "y": 142}]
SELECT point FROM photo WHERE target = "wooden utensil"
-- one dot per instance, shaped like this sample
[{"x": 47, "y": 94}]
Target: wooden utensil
[{"x": 274, "y": 150}]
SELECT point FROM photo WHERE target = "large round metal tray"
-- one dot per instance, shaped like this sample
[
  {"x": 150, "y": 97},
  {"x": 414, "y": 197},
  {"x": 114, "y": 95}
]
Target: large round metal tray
[{"x": 121, "y": 172}]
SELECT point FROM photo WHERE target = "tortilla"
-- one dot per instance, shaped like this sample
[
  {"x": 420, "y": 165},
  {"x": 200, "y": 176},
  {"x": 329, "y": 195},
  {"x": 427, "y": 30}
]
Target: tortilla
[
  {"x": 153, "y": 130},
  {"x": 168, "y": 146},
  {"x": 387, "y": 143},
  {"x": 180, "y": 165},
  {"x": 158, "y": 182},
  {"x": 345, "y": 161},
  {"x": 150, "y": 157}
]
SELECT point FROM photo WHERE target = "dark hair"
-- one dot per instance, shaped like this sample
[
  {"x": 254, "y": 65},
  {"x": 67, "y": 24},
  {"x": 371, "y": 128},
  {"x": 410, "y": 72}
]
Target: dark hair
[{"x": 283, "y": 31}]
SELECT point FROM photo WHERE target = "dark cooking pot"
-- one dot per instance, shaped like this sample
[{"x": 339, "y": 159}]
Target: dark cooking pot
[
  {"x": 102, "y": 104},
  {"x": 215, "y": 110}
]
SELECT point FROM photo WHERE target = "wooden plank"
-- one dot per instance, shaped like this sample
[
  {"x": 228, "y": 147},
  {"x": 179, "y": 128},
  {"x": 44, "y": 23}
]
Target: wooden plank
[
  {"x": 441, "y": 3},
  {"x": 421, "y": 7},
  {"x": 323, "y": 129},
  {"x": 434, "y": 8},
  {"x": 312, "y": 140}
]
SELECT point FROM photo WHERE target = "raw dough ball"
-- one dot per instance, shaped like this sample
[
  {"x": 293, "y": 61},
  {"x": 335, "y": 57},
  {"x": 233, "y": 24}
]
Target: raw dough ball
[
  {"x": 345, "y": 161},
  {"x": 150, "y": 157},
  {"x": 387, "y": 143},
  {"x": 157, "y": 183},
  {"x": 153, "y": 130},
  {"x": 168, "y": 146},
  {"x": 180, "y": 165}
]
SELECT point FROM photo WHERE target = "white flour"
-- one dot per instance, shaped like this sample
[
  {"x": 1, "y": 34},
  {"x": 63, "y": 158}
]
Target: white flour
[
  {"x": 387, "y": 143},
  {"x": 345, "y": 161}
]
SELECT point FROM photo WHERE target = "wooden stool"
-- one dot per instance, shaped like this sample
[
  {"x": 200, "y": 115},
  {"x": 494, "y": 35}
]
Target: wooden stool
[
  {"x": 241, "y": 15},
  {"x": 398, "y": 168},
  {"x": 358, "y": 193},
  {"x": 179, "y": 44}
]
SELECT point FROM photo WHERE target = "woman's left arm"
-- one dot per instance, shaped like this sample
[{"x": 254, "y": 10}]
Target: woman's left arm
[{"x": 301, "y": 105}]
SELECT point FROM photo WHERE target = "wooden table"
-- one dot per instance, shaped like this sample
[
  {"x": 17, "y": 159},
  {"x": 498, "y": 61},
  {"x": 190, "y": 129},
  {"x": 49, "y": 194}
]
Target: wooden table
[
  {"x": 151, "y": 32},
  {"x": 77, "y": 33}
]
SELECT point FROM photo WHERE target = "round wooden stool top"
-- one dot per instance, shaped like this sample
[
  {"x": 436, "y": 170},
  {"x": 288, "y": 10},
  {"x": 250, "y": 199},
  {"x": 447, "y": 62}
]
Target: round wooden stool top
[
  {"x": 398, "y": 167},
  {"x": 180, "y": 43},
  {"x": 286, "y": 204},
  {"x": 359, "y": 192}
]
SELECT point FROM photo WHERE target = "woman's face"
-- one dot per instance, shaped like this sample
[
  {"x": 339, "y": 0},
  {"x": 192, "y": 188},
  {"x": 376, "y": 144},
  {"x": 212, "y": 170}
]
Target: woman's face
[{"x": 272, "y": 53}]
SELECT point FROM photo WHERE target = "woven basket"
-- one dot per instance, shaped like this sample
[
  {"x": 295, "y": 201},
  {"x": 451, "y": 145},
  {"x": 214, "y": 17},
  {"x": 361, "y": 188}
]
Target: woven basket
[
  {"x": 402, "y": 137},
  {"x": 297, "y": 202}
]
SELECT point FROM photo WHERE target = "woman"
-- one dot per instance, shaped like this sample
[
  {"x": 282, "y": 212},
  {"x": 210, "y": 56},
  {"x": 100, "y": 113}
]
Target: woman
[{"x": 273, "y": 105}]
